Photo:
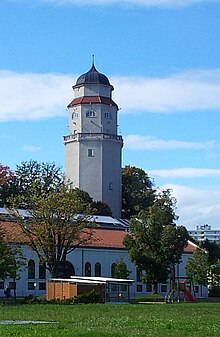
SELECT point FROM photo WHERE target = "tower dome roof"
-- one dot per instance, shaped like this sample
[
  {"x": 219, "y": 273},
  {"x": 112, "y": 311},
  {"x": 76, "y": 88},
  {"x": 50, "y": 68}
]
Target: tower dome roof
[{"x": 93, "y": 77}]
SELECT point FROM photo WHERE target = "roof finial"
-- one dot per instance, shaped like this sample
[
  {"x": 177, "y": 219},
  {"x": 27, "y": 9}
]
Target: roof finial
[{"x": 93, "y": 60}]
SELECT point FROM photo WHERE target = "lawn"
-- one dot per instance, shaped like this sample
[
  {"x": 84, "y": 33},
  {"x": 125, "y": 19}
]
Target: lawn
[{"x": 100, "y": 320}]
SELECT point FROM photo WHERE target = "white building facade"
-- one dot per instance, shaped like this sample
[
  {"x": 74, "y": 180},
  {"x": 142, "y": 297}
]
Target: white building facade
[
  {"x": 96, "y": 258},
  {"x": 205, "y": 232}
]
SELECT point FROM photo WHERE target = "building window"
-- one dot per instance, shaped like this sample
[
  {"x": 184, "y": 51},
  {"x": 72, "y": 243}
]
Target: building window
[
  {"x": 123, "y": 287},
  {"x": 42, "y": 271},
  {"x": 42, "y": 285},
  {"x": 139, "y": 288},
  {"x": 75, "y": 115},
  {"x": 110, "y": 186},
  {"x": 66, "y": 270},
  {"x": 98, "y": 269},
  {"x": 196, "y": 289},
  {"x": 87, "y": 269},
  {"x": 114, "y": 287},
  {"x": 2, "y": 285},
  {"x": 149, "y": 288},
  {"x": 31, "y": 269},
  {"x": 12, "y": 285},
  {"x": 163, "y": 288},
  {"x": 90, "y": 153},
  {"x": 108, "y": 115},
  {"x": 113, "y": 269},
  {"x": 138, "y": 275},
  {"x": 31, "y": 285},
  {"x": 90, "y": 113}
]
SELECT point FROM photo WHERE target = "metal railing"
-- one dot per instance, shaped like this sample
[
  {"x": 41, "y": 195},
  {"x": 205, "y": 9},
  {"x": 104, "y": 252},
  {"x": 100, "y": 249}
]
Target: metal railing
[{"x": 91, "y": 135}]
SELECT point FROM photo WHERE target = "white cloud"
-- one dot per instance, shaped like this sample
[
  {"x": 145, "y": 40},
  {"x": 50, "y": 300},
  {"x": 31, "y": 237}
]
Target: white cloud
[
  {"x": 142, "y": 3},
  {"x": 136, "y": 142},
  {"x": 199, "y": 90},
  {"x": 196, "y": 206},
  {"x": 26, "y": 96},
  {"x": 31, "y": 148},
  {"x": 185, "y": 172}
]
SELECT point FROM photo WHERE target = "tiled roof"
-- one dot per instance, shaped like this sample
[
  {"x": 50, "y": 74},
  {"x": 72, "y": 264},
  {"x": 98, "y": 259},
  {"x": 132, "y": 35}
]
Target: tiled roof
[
  {"x": 12, "y": 231},
  {"x": 91, "y": 99},
  {"x": 101, "y": 238},
  {"x": 107, "y": 238}
]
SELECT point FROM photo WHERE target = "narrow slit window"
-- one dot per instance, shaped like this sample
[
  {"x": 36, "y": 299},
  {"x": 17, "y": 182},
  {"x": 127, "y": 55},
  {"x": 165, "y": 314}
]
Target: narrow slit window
[{"x": 90, "y": 153}]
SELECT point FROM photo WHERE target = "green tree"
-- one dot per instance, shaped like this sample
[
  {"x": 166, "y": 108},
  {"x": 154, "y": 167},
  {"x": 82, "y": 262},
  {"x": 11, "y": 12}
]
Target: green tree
[
  {"x": 214, "y": 274},
  {"x": 101, "y": 208},
  {"x": 155, "y": 244},
  {"x": 7, "y": 184},
  {"x": 59, "y": 222},
  {"x": 42, "y": 177},
  {"x": 120, "y": 270},
  {"x": 11, "y": 259},
  {"x": 197, "y": 267},
  {"x": 213, "y": 249},
  {"x": 137, "y": 191}
]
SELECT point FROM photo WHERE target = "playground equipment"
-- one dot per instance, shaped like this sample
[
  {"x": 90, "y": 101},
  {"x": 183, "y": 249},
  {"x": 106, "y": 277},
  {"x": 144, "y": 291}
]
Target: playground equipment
[{"x": 180, "y": 290}]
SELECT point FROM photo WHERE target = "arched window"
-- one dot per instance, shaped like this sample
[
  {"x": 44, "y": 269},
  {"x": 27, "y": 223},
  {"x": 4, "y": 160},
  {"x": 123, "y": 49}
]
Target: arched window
[
  {"x": 66, "y": 269},
  {"x": 42, "y": 271},
  {"x": 87, "y": 269},
  {"x": 98, "y": 269},
  {"x": 138, "y": 275},
  {"x": 113, "y": 269},
  {"x": 31, "y": 269}
]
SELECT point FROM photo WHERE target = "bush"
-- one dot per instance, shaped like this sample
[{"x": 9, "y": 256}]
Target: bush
[
  {"x": 91, "y": 297},
  {"x": 214, "y": 291}
]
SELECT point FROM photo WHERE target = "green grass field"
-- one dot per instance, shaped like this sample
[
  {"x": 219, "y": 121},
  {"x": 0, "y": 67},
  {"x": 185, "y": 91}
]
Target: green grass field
[{"x": 99, "y": 320}]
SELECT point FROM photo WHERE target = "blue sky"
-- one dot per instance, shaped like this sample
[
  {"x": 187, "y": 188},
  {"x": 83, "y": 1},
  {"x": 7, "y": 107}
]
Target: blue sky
[{"x": 161, "y": 56}]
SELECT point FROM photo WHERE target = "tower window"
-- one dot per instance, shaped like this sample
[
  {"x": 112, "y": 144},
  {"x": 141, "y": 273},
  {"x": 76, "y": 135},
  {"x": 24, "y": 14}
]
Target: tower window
[
  {"x": 90, "y": 113},
  {"x": 90, "y": 153},
  {"x": 108, "y": 115},
  {"x": 110, "y": 186},
  {"x": 75, "y": 115}
]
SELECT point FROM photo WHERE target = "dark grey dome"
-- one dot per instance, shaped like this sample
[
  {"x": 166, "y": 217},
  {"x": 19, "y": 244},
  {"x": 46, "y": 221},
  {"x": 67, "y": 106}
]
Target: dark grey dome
[{"x": 93, "y": 77}]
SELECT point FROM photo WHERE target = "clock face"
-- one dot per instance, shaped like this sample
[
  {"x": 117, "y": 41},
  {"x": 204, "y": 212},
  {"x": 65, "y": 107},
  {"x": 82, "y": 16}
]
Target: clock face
[{"x": 91, "y": 113}]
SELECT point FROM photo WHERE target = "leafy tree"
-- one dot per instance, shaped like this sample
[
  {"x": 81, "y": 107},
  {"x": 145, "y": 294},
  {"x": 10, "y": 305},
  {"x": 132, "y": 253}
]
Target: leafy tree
[
  {"x": 197, "y": 267},
  {"x": 11, "y": 259},
  {"x": 213, "y": 248},
  {"x": 7, "y": 184},
  {"x": 137, "y": 191},
  {"x": 58, "y": 224},
  {"x": 120, "y": 270},
  {"x": 43, "y": 177},
  {"x": 155, "y": 244},
  {"x": 214, "y": 274},
  {"x": 101, "y": 208}
]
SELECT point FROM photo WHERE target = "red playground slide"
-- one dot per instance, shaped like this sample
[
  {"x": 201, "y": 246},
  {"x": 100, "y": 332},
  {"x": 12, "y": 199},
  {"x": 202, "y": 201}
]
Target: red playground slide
[{"x": 189, "y": 296}]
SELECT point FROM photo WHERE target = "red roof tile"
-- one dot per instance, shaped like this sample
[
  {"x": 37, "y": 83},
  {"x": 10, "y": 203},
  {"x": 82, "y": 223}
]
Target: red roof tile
[
  {"x": 92, "y": 99},
  {"x": 101, "y": 238}
]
